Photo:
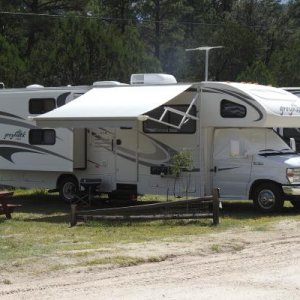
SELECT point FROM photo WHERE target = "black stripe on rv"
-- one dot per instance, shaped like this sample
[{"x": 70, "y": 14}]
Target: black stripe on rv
[
  {"x": 61, "y": 99},
  {"x": 5, "y": 114},
  {"x": 16, "y": 123},
  {"x": 226, "y": 169},
  {"x": 21, "y": 147},
  {"x": 8, "y": 152},
  {"x": 240, "y": 96}
]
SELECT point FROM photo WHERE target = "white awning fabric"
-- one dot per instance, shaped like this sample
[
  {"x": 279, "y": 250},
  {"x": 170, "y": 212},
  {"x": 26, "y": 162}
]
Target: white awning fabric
[{"x": 110, "y": 107}]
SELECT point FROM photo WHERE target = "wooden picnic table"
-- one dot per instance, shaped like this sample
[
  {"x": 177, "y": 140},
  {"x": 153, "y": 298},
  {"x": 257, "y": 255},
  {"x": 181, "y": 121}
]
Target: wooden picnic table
[{"x": 5, "y": 208}]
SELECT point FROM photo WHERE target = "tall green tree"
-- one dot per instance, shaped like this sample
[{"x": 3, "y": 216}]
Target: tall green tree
[
  {"x": 257, "y": 73},
  {"x": 161, "y": 28},
  {"x": 11, "y": 65}
]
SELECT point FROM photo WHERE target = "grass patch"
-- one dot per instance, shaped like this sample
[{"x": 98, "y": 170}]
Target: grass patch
[
  {"x": 125, "y": 261},
  {"x": 40, "y": 230}
]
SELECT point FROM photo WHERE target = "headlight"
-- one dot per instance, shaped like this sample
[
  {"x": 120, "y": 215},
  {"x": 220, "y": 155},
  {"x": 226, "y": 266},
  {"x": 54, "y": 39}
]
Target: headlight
[{"x": 293, "y": 175}]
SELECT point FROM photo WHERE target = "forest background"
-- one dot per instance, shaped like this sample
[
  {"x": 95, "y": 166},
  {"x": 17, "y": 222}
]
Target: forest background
[{"x": 78, "y": 42}]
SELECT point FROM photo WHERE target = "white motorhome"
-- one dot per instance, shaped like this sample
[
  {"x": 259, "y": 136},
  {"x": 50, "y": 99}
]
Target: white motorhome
[
  {"x": 129, "y": 134},
  {"x": 289, "y": 134}
]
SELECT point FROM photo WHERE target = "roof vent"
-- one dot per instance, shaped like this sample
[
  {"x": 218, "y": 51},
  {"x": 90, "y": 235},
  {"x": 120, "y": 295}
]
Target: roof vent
[
  {"x": 107, "y": 83},
  {"x": 34, "y": 86},
  {"x": 152, "y": 78}
]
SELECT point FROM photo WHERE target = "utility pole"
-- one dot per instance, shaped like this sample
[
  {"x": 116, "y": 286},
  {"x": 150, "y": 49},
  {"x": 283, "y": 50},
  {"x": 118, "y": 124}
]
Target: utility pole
[{"x": 206, "y": 49}]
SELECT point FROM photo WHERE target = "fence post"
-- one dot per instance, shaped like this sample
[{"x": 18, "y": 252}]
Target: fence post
[
  {"x": 73, "y": 220},
  {"x": 216, "y": 207}
]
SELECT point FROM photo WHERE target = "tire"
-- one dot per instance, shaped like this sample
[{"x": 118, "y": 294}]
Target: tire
[
  {"x": 268, "y": 197},
  {"x": 68, "y": 189},
  {"x": 296, "y": 204}
]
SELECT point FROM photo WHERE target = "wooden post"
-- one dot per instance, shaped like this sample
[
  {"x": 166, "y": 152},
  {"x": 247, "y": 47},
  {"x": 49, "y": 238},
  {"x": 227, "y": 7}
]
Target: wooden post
[
  {"x": 5, "y": 208},
  {"x": 73, "y": 218},
  {"x": 216, "y": 208}
]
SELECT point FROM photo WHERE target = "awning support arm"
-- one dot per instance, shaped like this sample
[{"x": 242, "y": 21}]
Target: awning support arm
[{"x": 185, "y": 115}]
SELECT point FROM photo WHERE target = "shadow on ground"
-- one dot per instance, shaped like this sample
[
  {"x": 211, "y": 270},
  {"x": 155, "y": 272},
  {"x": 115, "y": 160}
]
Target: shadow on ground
[
  {"x": 50, "y": 208},
  {"x": 245, "y": 210}
]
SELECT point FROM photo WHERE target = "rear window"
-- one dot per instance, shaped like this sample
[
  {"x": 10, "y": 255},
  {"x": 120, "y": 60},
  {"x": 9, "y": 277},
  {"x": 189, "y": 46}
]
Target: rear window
[{"x": 41, "y": 105}]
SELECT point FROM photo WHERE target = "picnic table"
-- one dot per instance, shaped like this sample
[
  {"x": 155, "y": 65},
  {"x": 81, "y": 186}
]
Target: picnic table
[{"x": 5, "y": 208}]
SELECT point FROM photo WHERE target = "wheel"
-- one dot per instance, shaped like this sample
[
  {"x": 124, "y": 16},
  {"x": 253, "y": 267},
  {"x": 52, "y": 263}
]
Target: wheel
[
  {"x": 68, "y": 188},
  {"x": 268, "y": 197},
  {"x": 296, "y": 204}
]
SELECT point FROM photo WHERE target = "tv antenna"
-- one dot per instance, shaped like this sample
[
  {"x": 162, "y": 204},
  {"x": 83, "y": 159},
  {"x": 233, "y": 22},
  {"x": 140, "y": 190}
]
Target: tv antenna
[{"x": 206, "y": 49}]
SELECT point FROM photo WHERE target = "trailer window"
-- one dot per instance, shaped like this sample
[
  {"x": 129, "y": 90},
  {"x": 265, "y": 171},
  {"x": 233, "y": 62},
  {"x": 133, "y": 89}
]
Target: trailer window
[
  {"x": 231, "y": 109},
  {"x": 42, "y": 137},
  {"x": 41, "y": 105},
  {"x": 150, "y": 126}
]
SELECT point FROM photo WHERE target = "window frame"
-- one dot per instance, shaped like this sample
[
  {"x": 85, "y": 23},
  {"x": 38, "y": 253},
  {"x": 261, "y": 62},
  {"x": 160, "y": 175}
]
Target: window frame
[
  {"x": 33, "y": 135},
  {"x": 232, "y": 116},
  {"x": 33, "y": 109}
]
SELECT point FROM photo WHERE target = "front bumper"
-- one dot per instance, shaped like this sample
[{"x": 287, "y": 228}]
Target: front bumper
[{"x": 291, "y": 190}]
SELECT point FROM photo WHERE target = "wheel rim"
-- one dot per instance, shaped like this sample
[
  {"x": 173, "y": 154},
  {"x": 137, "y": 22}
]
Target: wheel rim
[
  {"x": 69, "y": 190},
  {"x": 266, "y": 199}
]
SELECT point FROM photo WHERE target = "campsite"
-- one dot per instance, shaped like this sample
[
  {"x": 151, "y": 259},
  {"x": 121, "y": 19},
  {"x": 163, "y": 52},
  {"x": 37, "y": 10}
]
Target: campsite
[
  {"x": 149, "y": 149},
  {"x": 248, "y": 255}
]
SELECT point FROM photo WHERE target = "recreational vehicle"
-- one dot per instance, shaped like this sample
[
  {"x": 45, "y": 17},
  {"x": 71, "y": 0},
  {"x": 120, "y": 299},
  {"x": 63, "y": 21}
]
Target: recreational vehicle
[
  {"x": 126, "y": 136},
  {"x": 291, "y": 134}
]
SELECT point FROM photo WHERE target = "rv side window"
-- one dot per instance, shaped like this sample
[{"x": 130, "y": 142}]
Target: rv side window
[
  {"x": 41, "y": 105},
  {"x": 232, "y": 110},
  {"x": 150, "y": 126},
  {"x": 42, "y": 137},
  {"x": 291, "y": 133}
]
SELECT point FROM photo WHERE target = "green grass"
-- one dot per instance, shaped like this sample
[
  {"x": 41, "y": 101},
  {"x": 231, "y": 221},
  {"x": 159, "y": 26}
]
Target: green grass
[{"x": 40, "y": 231}]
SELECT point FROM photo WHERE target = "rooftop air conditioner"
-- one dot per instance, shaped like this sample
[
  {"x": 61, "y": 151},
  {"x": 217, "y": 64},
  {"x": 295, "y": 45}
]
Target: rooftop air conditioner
[{"x": 152, "y": 78}]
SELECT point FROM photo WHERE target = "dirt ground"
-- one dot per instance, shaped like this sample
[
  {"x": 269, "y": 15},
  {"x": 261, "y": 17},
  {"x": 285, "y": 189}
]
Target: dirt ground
[{"x": 236, "y": 264}]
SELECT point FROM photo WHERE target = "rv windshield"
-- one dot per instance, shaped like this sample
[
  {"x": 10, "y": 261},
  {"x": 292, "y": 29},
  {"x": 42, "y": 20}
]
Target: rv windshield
[
  {"x": 275, "y": 145},
  {"x": 267, "y": 142}
]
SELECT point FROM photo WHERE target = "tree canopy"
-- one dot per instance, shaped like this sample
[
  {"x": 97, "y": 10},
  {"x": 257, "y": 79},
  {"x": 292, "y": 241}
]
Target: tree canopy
[{"x": 78, "y": 42}]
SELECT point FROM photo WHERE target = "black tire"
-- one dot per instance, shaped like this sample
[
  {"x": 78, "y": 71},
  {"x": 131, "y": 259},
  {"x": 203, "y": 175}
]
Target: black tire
[
  {"x": 296, "y": 204},
  {"x": 68, "y": 189},
  {"x": 268, "y": 197}
]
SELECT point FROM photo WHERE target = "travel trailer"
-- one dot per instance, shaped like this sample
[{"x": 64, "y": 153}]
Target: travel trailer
[{"x": 126, "y": 136}]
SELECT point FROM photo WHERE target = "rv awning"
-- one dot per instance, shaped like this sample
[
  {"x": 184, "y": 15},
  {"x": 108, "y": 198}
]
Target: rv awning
[{"x": 110, "y": 107}]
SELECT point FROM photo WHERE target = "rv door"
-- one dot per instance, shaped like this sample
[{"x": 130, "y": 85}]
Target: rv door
[
  {"x": 231, "y": 165},
  {"x": 112, "y": 153}
]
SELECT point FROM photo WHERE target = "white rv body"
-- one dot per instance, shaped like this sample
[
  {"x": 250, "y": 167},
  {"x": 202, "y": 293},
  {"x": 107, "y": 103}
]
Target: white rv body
[
  {"x": 291, "y": 135},
  {"x": 133, "y": 131}
]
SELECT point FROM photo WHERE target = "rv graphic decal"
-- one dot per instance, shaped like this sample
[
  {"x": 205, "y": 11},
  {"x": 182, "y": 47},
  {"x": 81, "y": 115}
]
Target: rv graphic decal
[
  {"x": 61, "y": 99},
  {"x": 8, "y": 152},
  {"x": 244, "y": 98},
  {"x": 161, "y": 154},
  {"x": 5, "y": 114},
  {"x": 289, "y": 110},
  {"x": 9, "y": 148},
  {"x": 17, "y": 135},
  {"x": 16, "y": 123}
]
